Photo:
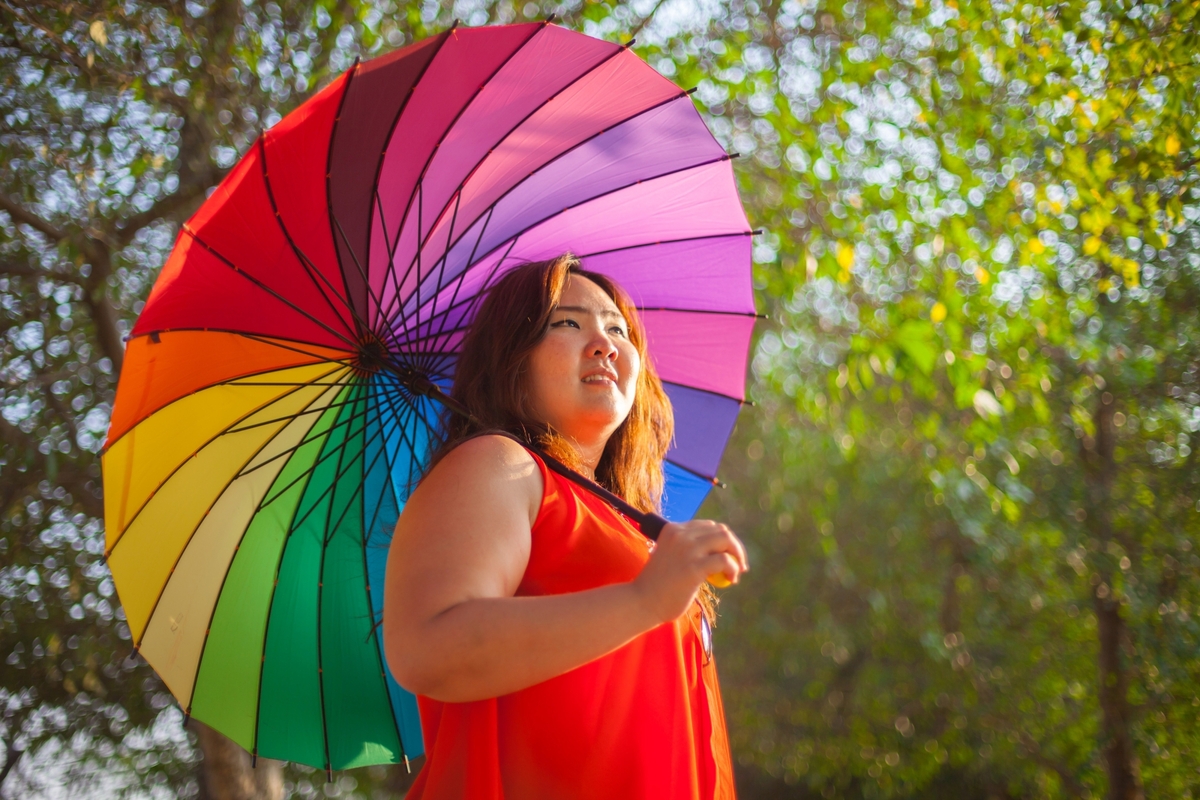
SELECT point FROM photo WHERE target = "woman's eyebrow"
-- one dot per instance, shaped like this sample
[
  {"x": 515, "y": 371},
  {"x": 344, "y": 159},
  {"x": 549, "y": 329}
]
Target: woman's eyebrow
[{"x": 583, "y": 310}]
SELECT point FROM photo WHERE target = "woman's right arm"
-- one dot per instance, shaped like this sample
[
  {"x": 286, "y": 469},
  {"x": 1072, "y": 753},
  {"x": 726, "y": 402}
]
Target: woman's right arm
[{"x": 453, "y": 629}]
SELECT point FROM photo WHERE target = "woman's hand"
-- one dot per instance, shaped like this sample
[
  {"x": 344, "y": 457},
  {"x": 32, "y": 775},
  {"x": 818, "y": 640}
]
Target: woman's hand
[{"x": 685, "y": 554}]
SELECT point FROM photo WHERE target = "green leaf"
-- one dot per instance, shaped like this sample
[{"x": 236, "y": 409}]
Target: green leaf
[{"x": 917, "y": 339}]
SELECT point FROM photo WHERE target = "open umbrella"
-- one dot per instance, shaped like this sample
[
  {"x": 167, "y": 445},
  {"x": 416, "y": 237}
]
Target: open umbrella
[{"x": 281, "y": 387}]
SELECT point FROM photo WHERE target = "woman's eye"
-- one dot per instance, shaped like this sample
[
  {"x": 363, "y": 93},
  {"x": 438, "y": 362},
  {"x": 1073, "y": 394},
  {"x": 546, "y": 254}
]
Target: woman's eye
[
  {"x": 563, "y": 323},
  {"x": 618, "y": 330}
]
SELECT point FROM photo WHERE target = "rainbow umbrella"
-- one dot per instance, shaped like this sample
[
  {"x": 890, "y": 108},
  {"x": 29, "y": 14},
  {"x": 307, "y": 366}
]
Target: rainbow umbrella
[{"x": 279, "y": 394}]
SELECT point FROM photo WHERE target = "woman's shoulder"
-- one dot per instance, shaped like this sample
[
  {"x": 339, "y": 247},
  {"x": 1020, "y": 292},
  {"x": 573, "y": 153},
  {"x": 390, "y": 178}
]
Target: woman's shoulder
[
  {"x": 492, "y": 464},
  {"x": 488, "y": 450}
]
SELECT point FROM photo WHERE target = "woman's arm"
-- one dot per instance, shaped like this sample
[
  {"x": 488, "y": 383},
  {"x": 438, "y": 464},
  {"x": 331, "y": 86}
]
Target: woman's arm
[{"x": 455, "y": 632}]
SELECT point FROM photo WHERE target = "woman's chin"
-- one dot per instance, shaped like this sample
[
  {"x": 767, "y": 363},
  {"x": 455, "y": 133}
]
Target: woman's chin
[{"x": 601, "y": 413}]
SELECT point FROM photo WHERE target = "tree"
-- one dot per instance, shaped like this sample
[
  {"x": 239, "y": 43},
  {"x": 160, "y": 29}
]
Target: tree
[
  {"x": 119, "y": 118},
  {"x": 982, "y": 259}
]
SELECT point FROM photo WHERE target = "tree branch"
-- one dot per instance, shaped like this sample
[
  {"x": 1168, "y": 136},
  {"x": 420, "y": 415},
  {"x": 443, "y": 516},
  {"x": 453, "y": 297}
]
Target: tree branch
[
  {"x": 185, "y": 195},
  {"x": 22, "y": 215},
  {"x": 71, "y": 476},
  {"x": 11, "y": 755},
  {"x": 26, "y": 271},
  {"x": 646, "y": 19},
  {"x": 26, "y": 16}
]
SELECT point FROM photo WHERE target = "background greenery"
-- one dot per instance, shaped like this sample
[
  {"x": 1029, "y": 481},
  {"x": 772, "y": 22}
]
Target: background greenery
[{"x": 969, "y": 482}]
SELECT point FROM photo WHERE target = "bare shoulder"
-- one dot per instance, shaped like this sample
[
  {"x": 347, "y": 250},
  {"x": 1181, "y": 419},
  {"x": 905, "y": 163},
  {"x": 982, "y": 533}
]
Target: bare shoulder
[{"x": 485, "y": 468}]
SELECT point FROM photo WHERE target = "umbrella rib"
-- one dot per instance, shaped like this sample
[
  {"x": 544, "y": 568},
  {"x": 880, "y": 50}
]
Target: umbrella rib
[
  {"x": 733, "y": 235},
  {"x": 231, "y": 382},
  {"x": 452, "y": 244},
  {"x": 445, "y": 35},
  {"x": 462, "y": 277},
  {"x": 121, "y": 537},
  {"x": 420, "y": 205},
  {"x": 191, "y": 536},
  {"x": 476, "y": 298},
  {"x": 330, "y": 528},
  {"x": 196, "y": 237},
  {"x": 398, "y": 415},
  {"x": 368, "y": 527},
  {"x": 389, "y": 273},
  {"x": 516, "y": 126},
  {"x": 408, "y": 410},
  {"x": 262, "y": 338},
  {"x": 437, "y": 287},
  {"x": 739, "y": 400},
  {"x": 713, "y": 479},
  {"x": 305, "y": 261},
  {"x": 320, "y": 460},
  {"x": 387, "y": 487},
  {"x": 293, "y": 416},
  {"x": 337, "y": 118},
  {"x": 359, "y": 267},
  {"x": 274, "y": 341},
  {"x": 244, "y": 381},
  {"x": 271, "y": 607},
  {"x": 442, "y": 137},
  {"x": 208, "y": 633},
  {"x": 401, "y": 414},
  {"x": 718, "y": 312},
  {"x": 723, "y": 157},
  {"x": 320, "y": 599},
  {"x": 337, "y": 476}
]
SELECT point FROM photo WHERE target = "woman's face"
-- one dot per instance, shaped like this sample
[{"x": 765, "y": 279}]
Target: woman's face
[{"x": 584, "y": 371}]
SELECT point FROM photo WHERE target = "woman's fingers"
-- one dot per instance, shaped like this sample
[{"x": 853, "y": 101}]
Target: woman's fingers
[
  {"x": 719, "y": 539},
  {"x": 723, "y": 565},
  {"x": 705, "y": 538}
]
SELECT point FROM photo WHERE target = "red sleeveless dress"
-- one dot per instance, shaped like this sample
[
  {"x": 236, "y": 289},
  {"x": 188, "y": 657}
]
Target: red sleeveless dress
[{"x": 644, "y": 722}]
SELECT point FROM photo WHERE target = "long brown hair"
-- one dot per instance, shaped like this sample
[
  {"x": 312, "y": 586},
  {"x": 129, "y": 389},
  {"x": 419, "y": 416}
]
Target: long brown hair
[{"x": 491, "y": 380}]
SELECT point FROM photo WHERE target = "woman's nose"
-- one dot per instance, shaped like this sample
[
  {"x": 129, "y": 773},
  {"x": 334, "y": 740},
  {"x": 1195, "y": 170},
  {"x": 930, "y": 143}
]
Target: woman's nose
[{"x": 603, "y": 346}]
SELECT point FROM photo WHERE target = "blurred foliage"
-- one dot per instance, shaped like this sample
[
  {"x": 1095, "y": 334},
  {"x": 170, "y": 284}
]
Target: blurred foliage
[{"x": 968, "y": 485}]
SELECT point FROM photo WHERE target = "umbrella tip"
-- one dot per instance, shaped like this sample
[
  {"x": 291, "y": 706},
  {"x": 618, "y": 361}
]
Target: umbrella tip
[
  {"x": 631, "y": 43},
  {"x": 329, "y": 774},
  {"x": 549, "y": 21}
]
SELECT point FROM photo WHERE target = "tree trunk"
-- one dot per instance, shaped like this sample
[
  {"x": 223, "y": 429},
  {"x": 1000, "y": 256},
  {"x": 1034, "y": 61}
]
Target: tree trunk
[
  {"x": 1124, "y": 783},
  {"x": 1100, "y": 467},
  {"x": 226, "y": 773}
]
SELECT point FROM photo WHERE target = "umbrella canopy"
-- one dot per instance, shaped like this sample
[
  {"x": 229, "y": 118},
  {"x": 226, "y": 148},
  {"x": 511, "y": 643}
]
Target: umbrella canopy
[{"x": 274, "y": 413}]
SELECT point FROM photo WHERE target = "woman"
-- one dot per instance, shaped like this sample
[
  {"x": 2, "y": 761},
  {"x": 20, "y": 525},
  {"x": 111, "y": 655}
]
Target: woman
[{"x": 555, "y": 651}]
